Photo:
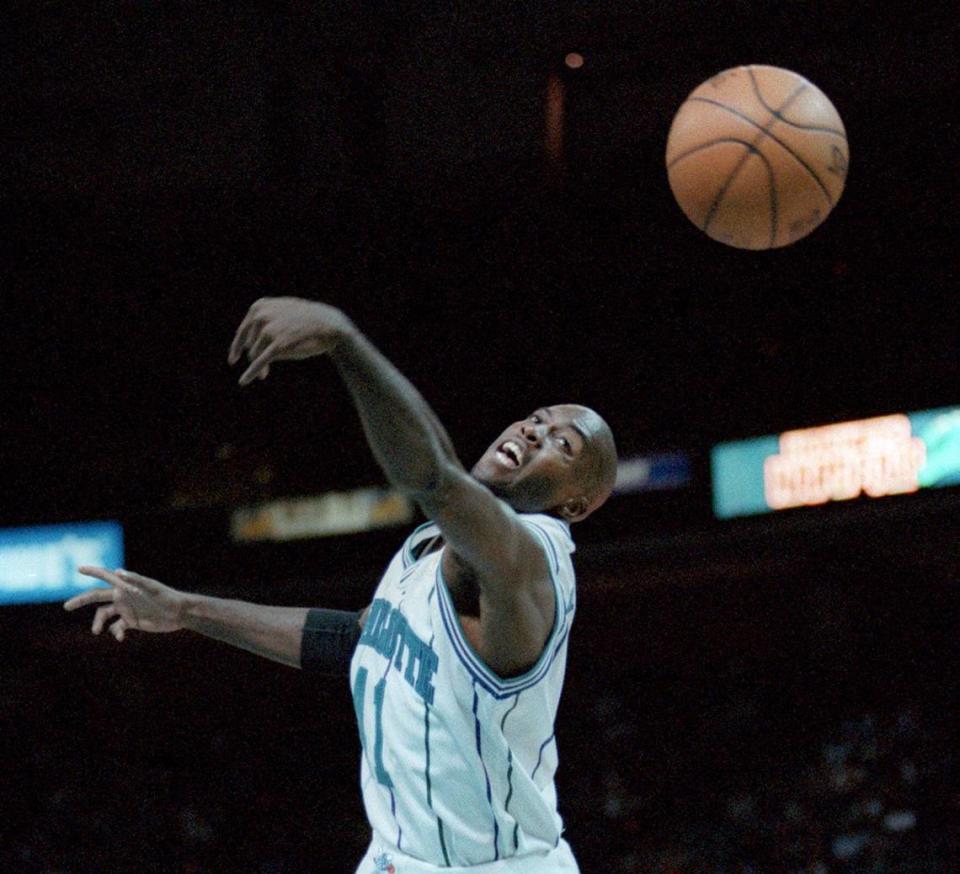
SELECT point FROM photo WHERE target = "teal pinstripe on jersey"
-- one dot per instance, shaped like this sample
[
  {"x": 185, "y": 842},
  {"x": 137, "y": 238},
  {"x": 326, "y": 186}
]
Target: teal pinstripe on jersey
[{"x": 458, "y": 763}]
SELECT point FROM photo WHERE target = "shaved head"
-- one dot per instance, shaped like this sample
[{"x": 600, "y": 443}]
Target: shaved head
[
  {"x": 598, "y": 463},
  {"x": 560, "y": 459}
]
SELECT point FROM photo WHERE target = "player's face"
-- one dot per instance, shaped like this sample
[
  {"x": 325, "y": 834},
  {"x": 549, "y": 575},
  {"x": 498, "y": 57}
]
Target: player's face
[{"x": 538, "y": 463}]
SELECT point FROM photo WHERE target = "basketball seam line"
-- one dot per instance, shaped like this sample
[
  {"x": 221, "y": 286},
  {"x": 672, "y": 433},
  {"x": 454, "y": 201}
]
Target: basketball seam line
[
  {"x": 752, "y": 148},
  {"x": 776, "y": 112},
  {"x": 774, "y": 206},
  {"x": 766, "y": 132}
]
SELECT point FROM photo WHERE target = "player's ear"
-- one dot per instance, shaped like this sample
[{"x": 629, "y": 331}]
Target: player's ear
[{"x": 574, "y": 509}]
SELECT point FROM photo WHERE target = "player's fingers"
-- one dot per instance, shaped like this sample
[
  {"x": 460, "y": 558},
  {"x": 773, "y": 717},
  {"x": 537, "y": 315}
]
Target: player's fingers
[
  {"x": 259, "y": 363},
  {"x": 138, "y": 582},
  {"x": 241, "y": 337},
  {"x": 264, "y": 340},
  {"x": 91, "y": 596},
  {"x": 247, "y": 333},
  {"x": 102, "y": 615},
  {"x": 236, "y": 345},
  {"x": 133, "y": 577},
  {"x": 264, "y": 373},
  {"x": 233, "y": 353},
  {"x": 119, "y": 629},
  {"x": 101, "y": 573},
  {"x": 110, "y": 577}
]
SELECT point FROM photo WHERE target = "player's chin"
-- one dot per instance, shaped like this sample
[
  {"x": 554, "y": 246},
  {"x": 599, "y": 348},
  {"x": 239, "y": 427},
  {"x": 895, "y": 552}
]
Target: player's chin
[{"x": 493, "y": 476}]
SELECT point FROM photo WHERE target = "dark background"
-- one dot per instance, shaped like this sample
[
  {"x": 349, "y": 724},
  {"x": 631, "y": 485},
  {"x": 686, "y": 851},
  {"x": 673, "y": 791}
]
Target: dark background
[{"x": 166, "y": 164}]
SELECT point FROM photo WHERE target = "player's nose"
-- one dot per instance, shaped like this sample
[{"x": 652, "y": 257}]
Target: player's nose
[{"x": 530, "y": 433}]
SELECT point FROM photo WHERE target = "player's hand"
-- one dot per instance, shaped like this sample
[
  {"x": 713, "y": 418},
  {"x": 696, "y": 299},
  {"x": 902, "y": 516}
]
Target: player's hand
[
  {"x": 132, "y": 603},
  {"x": 285, "y": 329}
]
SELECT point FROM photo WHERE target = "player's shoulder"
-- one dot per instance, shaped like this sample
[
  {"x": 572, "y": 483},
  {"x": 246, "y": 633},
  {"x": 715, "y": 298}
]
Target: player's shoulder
[
  {"x": 554, "y": 529},
  {"x": 557, "y": 541}
]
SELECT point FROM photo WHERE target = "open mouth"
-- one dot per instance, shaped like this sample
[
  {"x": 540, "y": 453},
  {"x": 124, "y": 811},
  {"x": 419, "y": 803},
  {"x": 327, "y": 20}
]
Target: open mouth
[{"x": 510, "y": 454}]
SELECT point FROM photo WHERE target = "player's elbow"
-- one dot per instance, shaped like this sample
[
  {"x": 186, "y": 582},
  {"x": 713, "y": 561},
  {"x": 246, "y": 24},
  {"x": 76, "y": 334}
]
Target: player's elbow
[{"x": 438, "y": 486}]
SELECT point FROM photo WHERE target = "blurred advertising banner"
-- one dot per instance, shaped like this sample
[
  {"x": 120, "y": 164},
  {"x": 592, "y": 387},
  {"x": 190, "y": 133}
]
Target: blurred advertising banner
[
  {"x": 884, "y": 455},
  {"x": 653, "y": 473},
  {"x": 321, "y": 515},
  {"x": 39, "y": 563}
]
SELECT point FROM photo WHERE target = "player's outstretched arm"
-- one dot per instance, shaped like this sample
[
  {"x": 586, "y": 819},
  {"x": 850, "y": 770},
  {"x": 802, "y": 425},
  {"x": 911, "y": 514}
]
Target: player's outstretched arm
[
  {"x": 295, "y": 636},
  {"x": 517, "y": 600},
  {"x": 516, "y": 595},
  {"x": 287, "y": 328}
]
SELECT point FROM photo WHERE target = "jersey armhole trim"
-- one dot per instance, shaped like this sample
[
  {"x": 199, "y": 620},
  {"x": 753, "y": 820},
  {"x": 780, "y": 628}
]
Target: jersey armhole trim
[
  {"x": 407, "y": 552},
  {"x": 496, "y": 686}
]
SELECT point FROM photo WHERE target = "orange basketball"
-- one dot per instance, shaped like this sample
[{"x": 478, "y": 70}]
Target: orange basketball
[{"x": 757, "y": 157}]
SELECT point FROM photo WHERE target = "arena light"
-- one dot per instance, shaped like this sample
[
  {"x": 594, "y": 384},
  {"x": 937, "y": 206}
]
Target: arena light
[
  {"x": 658, "y": 472},
  {"x": 876, "y": 457},
  {"x": 39, "y": 563},
  {"x": 321, "y": 515}
]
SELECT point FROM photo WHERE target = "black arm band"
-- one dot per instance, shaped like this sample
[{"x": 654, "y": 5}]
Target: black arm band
[{"x": 328, "y": 641}]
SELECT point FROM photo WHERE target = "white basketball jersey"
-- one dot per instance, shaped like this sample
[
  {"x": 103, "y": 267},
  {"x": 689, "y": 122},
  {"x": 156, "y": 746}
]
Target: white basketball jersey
[{"x": 458, "y": 764}]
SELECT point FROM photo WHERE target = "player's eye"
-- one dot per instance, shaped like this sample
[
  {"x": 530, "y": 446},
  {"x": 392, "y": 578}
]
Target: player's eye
[
  {"x": 567, "y": 447},
  {"x": 535, "y": 418}
]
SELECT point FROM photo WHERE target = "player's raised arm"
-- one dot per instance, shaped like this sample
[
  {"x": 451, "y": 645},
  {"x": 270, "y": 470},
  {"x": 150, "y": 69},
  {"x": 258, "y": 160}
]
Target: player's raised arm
[
  {"x": 482, "y": 530},
  {"x": 403, "y": 432}
]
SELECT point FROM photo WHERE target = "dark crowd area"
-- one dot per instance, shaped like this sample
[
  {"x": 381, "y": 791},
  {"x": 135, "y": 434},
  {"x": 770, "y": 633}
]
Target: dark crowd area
[
  {"x": 795, "y": 718},
  {"x": 784, "y": 718}
]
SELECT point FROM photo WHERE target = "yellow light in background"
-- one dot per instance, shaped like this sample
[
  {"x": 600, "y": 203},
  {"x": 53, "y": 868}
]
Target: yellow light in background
[
  {"x": 321, "y": 515},
  {"x": 574, "y": 60}
]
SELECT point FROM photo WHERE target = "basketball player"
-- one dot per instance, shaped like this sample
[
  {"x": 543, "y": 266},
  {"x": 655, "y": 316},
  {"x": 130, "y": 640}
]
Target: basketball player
[{"x": 457, "y": 664}]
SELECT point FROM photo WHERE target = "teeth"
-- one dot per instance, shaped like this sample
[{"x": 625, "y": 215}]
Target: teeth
[{"x": 511, "y": 448}]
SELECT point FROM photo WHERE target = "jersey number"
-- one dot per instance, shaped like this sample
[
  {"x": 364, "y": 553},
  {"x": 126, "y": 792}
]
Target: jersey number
[{"x": 359, "y": 693}]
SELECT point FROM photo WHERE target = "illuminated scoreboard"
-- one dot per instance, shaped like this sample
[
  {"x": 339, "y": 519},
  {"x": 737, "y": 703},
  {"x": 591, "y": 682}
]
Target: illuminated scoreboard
[
  {"x": 885, "y": 455},
  {"x": 40, "y": 563}
]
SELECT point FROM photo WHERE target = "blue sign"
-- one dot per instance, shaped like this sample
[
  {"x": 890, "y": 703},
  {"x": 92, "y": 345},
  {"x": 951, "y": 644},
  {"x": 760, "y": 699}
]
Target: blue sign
[
  {"x": 663, "y": 471},
  {"x": 39, "y": 564}
]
